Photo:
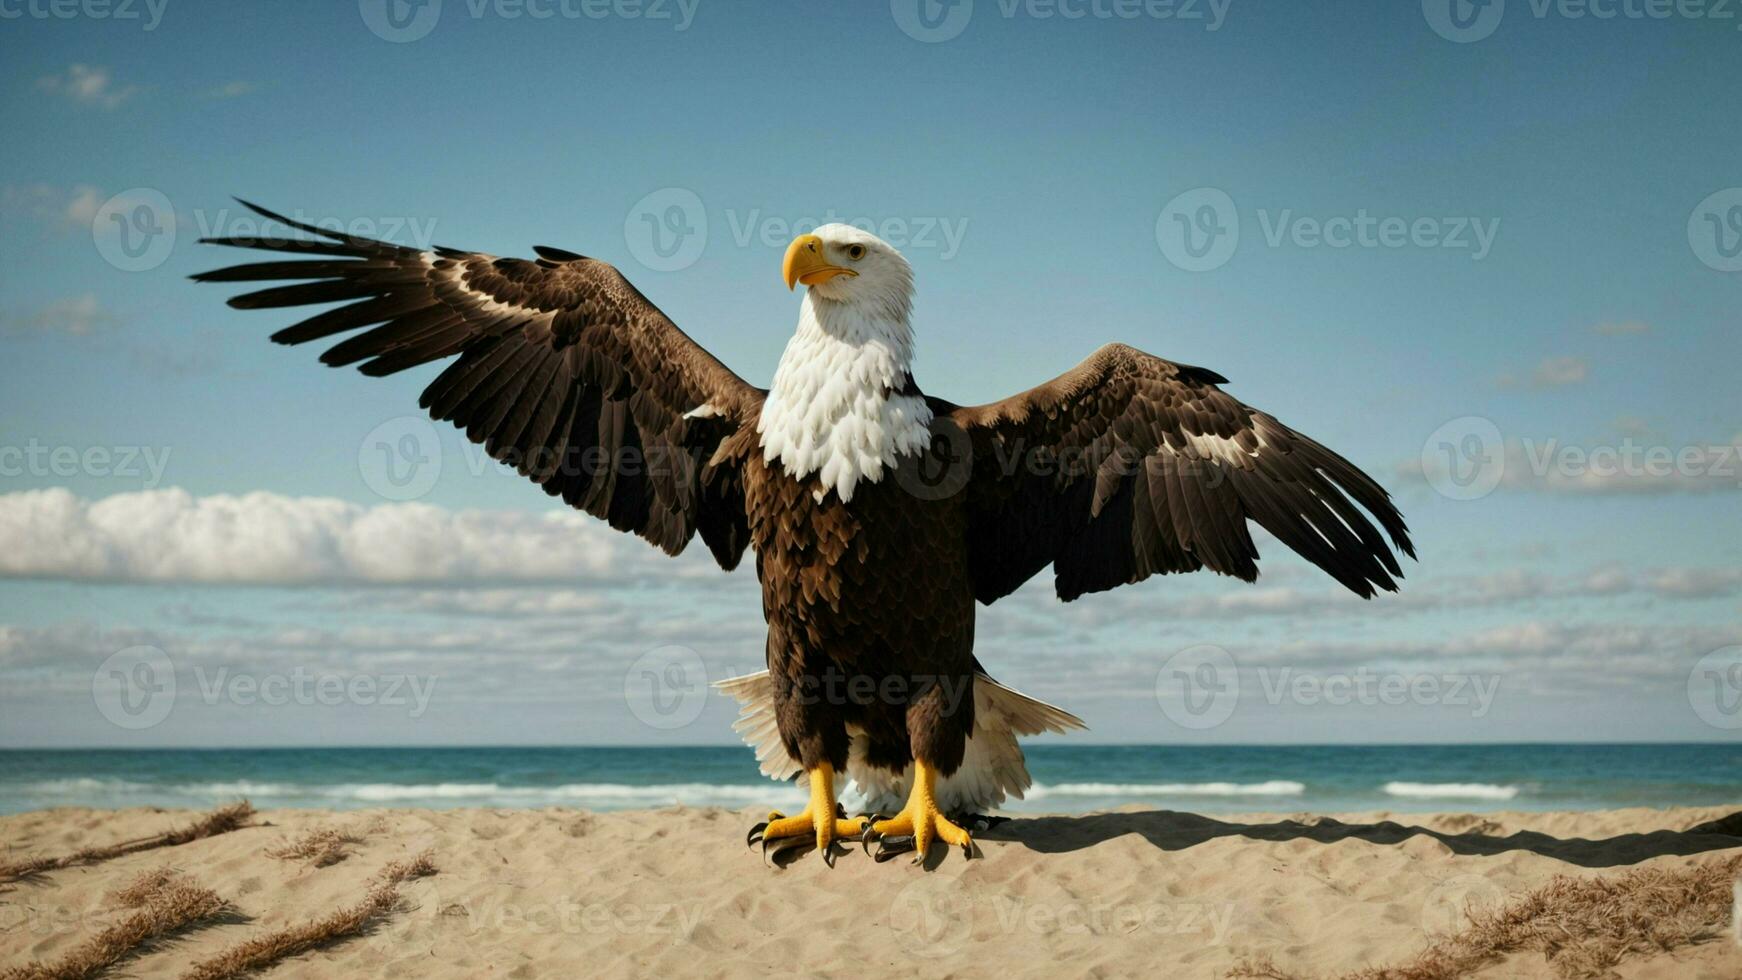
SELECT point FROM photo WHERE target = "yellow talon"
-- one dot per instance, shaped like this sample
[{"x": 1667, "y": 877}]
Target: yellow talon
[
  {"x": 920, "y": 818},
  {"x": 818, "y": 818}
]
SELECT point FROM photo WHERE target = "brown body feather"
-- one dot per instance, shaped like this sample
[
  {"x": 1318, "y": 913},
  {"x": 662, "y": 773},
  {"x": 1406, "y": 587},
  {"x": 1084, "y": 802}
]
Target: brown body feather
[{"x": 870, "y": 619}]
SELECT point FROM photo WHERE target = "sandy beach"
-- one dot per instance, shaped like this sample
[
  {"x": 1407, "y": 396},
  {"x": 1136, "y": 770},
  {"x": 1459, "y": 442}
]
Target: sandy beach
[{"x": 554, "y": 892}]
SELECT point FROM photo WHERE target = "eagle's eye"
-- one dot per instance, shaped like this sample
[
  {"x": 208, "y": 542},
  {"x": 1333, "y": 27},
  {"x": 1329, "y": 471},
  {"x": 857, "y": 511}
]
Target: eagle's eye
[{"x": 855, "y": 251}]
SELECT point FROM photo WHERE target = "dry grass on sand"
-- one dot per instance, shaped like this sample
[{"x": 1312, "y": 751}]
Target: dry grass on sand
[
  {"x": 353, "y": 920},
  {"x": 321, "y": 847},
  {"x": 165, "y": 902},
  {"x": 219, "y": 821},
  {"x": 1583, "y": 926}
]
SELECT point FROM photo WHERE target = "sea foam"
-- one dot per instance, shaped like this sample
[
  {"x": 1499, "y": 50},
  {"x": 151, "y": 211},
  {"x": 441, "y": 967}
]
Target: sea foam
[{"x": 1451, "y": 791}]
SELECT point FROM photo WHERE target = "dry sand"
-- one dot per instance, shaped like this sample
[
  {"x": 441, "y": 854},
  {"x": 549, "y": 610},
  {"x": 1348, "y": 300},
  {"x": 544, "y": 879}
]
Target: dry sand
[{"x": 674, "y": 892}]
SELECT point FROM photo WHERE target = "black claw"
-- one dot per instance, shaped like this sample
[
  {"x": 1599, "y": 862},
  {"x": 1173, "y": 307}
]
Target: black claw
[
  {"x": 755, "y": 834},
  {"x": 868, "y": 835},
  {"x": 889, "y": 847},
  {"x": 829, "y": 855},
  {"x": 776, "y": 849},
  {"x": 977, "y": 821}
]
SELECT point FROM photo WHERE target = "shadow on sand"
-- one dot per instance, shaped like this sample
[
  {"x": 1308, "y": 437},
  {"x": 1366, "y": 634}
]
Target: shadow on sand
[{"x": 1174, "y": 831}]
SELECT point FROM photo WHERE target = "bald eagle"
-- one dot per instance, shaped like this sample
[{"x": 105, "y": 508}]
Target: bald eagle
[{"x": 879, "y": 514}]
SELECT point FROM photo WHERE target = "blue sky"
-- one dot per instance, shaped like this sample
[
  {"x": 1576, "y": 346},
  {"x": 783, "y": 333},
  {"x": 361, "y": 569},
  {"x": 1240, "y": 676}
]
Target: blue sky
[{"x": 1565, "y": 285}]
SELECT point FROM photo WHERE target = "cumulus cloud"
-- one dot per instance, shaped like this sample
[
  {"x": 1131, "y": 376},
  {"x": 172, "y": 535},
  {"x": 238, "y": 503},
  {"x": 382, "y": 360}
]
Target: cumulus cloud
[
  {"x": 87, "y": 85},
  {"x": 171, "y": 536}
]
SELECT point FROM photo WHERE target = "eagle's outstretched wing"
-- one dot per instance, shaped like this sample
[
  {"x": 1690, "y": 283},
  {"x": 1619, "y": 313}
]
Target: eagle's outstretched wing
[
  {"x": 1129, "y": 465},
  {"x": 564, "y": 371}
]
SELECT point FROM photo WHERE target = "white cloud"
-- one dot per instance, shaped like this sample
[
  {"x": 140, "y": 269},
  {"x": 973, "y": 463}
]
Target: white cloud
[
  {"x": 87, "y": 85},
  {"x": 1695, "y": 583},
  {"x": 1556, "y": 372},
  {"x": 1551, "y": 372},
  {"x": 231, "y": 90},
  {"x": 79, "y": 316},
  {"x": 75, "y": 207},
  {"x": 82, "y": 206},
  {"x": 171, "y": 536}
]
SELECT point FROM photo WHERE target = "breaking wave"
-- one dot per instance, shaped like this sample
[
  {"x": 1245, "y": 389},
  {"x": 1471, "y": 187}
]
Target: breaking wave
[
  {"x": 1451, "y": 791},
  {"x": 1274, "y": 787}
]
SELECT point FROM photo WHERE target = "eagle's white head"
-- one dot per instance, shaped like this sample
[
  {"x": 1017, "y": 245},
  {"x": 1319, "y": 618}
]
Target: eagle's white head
[
  {"x": 842, "y": 404},
  {"x": 850, "y": 267}
]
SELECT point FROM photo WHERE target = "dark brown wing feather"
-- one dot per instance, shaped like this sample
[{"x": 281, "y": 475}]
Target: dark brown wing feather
[
  {"x": 563, "y": 370},
  {"x": 1129, "y": 466}
]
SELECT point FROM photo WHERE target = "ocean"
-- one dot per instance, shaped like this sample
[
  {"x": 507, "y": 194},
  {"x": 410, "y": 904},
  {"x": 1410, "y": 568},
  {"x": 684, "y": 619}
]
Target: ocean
[{"x": 1068, "y": 778}]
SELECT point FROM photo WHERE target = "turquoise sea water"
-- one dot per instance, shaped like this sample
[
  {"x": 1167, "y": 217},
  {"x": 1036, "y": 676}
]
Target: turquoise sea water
[{"x": 1068, "y": 778}]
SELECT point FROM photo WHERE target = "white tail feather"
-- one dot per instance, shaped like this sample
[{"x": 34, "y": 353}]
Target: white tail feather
[{"x": 992, "y": 764}]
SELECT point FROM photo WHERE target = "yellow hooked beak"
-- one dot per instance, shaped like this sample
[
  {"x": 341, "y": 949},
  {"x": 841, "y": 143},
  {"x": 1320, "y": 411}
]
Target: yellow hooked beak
[{"x": 805, "y": 263}]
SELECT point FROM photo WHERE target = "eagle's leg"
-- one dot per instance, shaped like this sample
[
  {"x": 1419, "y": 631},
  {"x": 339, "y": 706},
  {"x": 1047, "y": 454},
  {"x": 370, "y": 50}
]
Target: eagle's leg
[
  {"x": 819, "y": 819},
  {"x": 921, "y": 819}
]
